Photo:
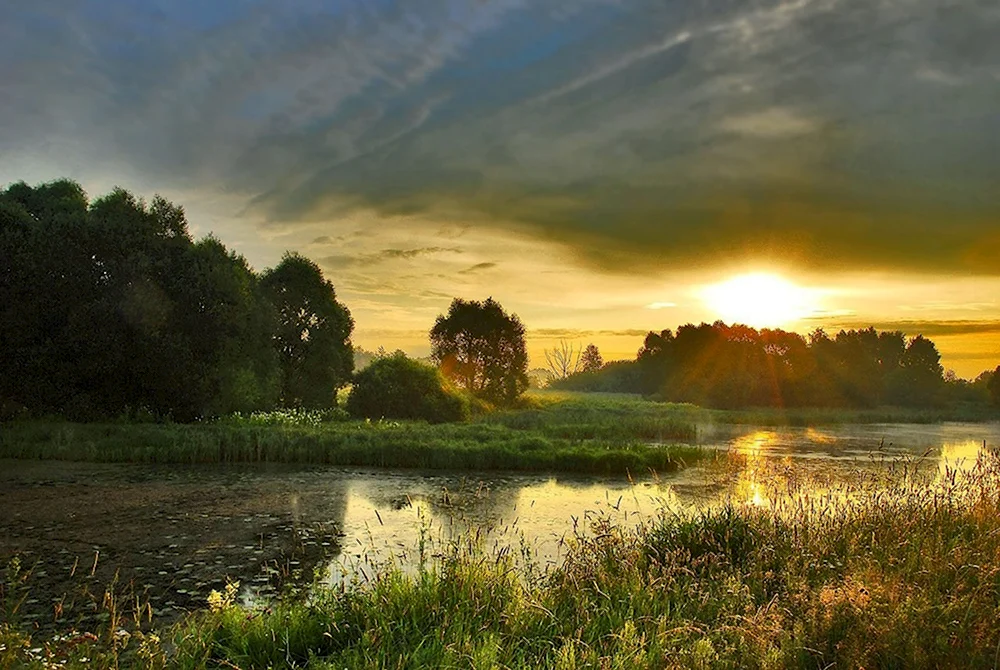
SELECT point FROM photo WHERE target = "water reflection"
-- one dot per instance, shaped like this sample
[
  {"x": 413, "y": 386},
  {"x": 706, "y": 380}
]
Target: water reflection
[
  {"x": 959, "y": 456},
  {"x": 181, "y": 531}
]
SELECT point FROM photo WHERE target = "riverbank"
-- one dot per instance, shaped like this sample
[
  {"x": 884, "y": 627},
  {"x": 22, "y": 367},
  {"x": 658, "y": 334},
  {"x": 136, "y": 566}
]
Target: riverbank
[
  {"x": 904, "y": 576},
  {"x": 585, "y": 436},
  {"x": 552, "y": 432}
]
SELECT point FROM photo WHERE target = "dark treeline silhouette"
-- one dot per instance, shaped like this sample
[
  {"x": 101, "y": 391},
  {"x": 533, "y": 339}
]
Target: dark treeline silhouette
[
  {"x": 109, "y": 307},
  {"x": 718, "y": 365}
]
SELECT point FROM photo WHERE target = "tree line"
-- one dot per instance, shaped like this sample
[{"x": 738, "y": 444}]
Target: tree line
[
  {"x": 730, "y": 366},
  {"x": 109, "y": 307}
]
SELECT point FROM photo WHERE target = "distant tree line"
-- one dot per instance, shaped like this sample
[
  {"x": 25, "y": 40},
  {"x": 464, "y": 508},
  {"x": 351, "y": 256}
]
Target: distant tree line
[
  {"x": 718, "y": 365},
  {"x": 109, "y": 307}
]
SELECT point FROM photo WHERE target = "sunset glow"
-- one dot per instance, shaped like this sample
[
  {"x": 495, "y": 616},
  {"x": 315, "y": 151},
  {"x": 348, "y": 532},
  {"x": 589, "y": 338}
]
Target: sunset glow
[{"x": 760, "y": 300}]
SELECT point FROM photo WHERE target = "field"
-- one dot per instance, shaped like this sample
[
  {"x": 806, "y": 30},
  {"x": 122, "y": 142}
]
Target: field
[{"x": 901, "y": 577}]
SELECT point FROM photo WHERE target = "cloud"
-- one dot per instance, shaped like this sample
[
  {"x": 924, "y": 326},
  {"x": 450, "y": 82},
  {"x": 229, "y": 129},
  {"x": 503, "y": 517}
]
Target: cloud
[
  {"x": 345, "y": 260},
  {"x": 413, "y": 253},
  {"x": 577, "y": 333},
  {"x": 930, "y": 328},
  {"x": 478, "y": 267},
  {"x": 829, "y": 134},
  {"x": 661, "y": 305}
]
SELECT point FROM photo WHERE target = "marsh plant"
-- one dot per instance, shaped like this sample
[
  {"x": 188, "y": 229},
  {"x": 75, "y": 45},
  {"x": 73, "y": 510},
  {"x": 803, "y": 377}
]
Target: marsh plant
[{"x": 900, "y": 570}]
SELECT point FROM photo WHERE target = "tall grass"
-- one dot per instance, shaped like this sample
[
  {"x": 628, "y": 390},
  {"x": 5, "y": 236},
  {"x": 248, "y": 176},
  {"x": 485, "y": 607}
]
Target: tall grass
[
  {"x": 379, "y": 444},
  {"x": 865, "y": 576}
]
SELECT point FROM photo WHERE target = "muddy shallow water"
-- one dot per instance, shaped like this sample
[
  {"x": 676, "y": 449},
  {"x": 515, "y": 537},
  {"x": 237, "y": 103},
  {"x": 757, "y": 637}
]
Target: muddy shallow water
[{"x": 167, "y": 535}]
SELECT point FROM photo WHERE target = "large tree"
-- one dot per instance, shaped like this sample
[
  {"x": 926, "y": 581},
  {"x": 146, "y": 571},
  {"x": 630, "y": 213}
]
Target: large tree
[
  {"x": 313, "y": 336},
  {"x": 993, "y": 386},
  {"x": 482, "y": 348},
  {"x": 109, "y": 306},
  {"x": 590, "y": 359}
]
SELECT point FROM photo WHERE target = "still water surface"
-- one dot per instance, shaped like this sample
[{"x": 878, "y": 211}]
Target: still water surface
[{"x": 177, "y": 532}]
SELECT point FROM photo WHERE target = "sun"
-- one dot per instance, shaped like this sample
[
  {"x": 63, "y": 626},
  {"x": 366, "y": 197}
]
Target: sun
[{"x": 760, "y": 300}]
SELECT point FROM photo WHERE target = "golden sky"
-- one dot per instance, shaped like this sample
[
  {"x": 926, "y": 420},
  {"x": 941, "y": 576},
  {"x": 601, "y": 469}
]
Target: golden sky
[{"x": 596, "y": 166}]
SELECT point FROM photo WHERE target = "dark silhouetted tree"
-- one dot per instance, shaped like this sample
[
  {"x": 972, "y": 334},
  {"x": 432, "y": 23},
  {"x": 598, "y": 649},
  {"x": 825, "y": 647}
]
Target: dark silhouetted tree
[
  {"x": 993, "y": 386},
  {"x": 313, "y": 336},
  {"x": 590, "y": 360},
  {"x": 482, "y": 348},
  {"x": 109, "y": 306},
  {"x": 397, "y": 387}
]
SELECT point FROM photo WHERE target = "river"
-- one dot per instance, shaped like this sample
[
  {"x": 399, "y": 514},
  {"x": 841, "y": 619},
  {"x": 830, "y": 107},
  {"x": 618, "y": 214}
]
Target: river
[{"x": 167, "y": 535}]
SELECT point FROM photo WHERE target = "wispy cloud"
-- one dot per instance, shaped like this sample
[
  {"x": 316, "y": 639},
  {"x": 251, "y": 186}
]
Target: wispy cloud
[{"x": 478, "y": 267}]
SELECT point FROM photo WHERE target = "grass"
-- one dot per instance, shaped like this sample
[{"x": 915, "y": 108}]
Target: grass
[
  {"x": 548, "y": 435},
  {"x": 901, "y": 577},
  {"x": 551, "y": 431},
  {"x": 818, "y": 416}
]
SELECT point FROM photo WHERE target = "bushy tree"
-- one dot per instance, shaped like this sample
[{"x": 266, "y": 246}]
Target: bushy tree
[
  {"x": 313, "y": 336},
  {"x": 110, "y": 306},
  {"x": 482, "y": 349},
  {"x": 737, "y": 366},
  {"x": 993, "y": 386},
  {"x": 398, "y": 387},
  {"x": 590, "y": 360}
]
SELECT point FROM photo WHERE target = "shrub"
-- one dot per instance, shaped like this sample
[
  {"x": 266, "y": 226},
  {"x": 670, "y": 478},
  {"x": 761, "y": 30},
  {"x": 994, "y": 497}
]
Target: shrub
[{"x": 397, "y": 387}]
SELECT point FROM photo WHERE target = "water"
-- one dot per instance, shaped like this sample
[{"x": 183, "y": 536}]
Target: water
[{"x": 175, "y": 533}]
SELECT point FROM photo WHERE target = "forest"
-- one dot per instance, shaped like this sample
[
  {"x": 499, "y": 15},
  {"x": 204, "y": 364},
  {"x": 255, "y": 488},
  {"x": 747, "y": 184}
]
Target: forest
[{"x": 735, "y": 366}]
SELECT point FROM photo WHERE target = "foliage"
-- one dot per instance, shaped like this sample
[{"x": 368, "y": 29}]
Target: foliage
[
  {"x": 716, "y": 365},
  {"x": 899, "y": 574},
  {"x": 590, "y": 360},
  {"x": 293, "y": 416},
  {"x": 397, "y": 387},
  {"x": 607, "y": 435},
  {"x": 109, "y": 306},
  {"x": 879, "y": 578},
  {"x": 313, "y": 333},
  {"x": 993, "y": 385},
  {"x": 612, "y": 377},
  {"x": 482, "y": 349}
]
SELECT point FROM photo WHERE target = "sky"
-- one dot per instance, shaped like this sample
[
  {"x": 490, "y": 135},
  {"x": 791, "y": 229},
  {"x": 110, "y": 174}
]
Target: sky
[{"x": 601, "y": 167}]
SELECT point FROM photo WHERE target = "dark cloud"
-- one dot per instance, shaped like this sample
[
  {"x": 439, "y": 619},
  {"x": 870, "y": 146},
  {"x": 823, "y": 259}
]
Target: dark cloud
[
  {"x": 931, "y": 328},
  {"x": 478, "y": 267},
  {"x": 345, "y": 260},
  {"x": 413, "y": 253},
  {"x": 842, "y": 134},
  {"x": 577, "y": 333}
]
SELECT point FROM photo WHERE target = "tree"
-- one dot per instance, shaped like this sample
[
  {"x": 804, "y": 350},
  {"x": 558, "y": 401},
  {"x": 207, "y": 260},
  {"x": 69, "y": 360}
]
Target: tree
[
  {"x": 397, "y": 387},
  {"x": 919, "y": 381},
  {"x": 993, "y": 385},
  {"x": 482, "y": 349},
  {"x": 313, "y": 336},
  {"x": 591, "y": 360},
  {"x": 108, "y": 307},
  {"x": 563, "y": 360}
]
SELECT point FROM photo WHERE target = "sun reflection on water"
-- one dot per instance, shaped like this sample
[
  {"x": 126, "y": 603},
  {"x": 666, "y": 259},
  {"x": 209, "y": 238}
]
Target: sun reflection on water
[{"x": 959, "y": 456}]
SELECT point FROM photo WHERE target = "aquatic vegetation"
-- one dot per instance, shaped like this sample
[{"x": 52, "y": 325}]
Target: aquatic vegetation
[
  {"x": 904, "y": 575},
  {"x": 552, "y": 435}
]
